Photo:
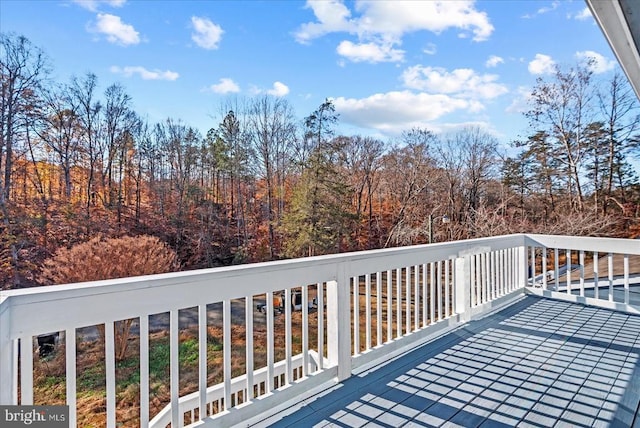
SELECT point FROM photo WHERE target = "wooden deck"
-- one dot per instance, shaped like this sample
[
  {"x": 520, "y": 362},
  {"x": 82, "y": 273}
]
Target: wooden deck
[{"x": 537, "y": 363}]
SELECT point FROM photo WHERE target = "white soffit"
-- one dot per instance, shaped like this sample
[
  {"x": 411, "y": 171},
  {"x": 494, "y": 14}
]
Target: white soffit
[{"x": 620, "y": 23}]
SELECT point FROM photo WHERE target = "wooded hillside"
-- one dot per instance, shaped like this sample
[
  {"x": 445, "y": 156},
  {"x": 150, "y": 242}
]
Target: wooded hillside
[{"x": 77, "y": 161}]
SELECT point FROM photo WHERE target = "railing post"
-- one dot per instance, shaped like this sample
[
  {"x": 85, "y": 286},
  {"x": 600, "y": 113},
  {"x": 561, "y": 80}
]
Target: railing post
[
  {"x": 463, "y": 287},
  {"x": 339, "y": 323},
  {"x": 8, "y": 364},
  {"x": 523, "y": 261}
]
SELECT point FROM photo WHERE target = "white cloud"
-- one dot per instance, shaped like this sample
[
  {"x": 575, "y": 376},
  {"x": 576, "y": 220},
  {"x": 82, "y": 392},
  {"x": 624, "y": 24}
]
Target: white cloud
[
  {"x": 399, "y": 17},
  {"x": 542, "y": 64},
  {"x": 430, "y": 49},
  {"x": 597, "y": 63},
  {"x": 383, "y": 24},
  {"x": 279, "y": 89},
  {"x": 225, "y": 86},
  {"x": 520, "y": 102},
  {"x": 333, "y": 16},
  {"x": 394, "y": 111},
  {"x": 541, "y": 11},
  {"x": 93, "y": 5},
  {"x": 461, "y": 81},
  {"x": 554, "y": 5},
  {"x": 115, "y": 30},
  {"x": 493, "y": 61},
  {"x": 583, "y": 15},
  {"x": 206, "y": 34},
  {"x": 369, "y": 52},
  {"x": 145, "y": 74}
]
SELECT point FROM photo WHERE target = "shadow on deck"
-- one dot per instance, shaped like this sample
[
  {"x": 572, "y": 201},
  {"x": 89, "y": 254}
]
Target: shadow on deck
[{"x": 539, "y": 362}]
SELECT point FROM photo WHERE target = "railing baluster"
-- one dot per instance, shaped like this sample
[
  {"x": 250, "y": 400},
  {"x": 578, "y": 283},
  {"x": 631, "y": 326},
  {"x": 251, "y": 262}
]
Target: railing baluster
[
  {"x": 248, "y": 320},
  {"x": 356, "y": 314},
  {"x": 110, "y": 369},
  {"x": 270, "y": 343},
  {"x": 439, "y": 289},
  {"x": 379, "y": 308},
  {"x": 494, "y": 276},
  {"x": 320, "y": 301},
  {"x": 568, "y": 253},
  {"x": 596, "y": 269},
  {"x": 479, "y": 282},
  {"x": 610, "y": 274},
  {"x": 226, "y": 352},
  {"x": 474, "y": 286},
  {"x": 288, "y": 303},
  {"x": 484, "y": 262},
  {"x": 407, "y": 284},
  {"x": 432, "y": 293},
  {"x": 305, "y": 330},
  {"x": 174, "y": 366},
  {"x": 626, "y": 279},
  {"x": 70, "y": 346},
  {"x": 556, "y": 274},
  {"x": 367, "y": 297},
  {"x": 424, "y": 295},
  {"x": 510, "y": 270},
  {"x": 503, "y": 269},
  {"x": 447, "y": 279},
  {"x": 389, "y": 306},
  {"x": 416, "y": 304},
  {"x": 399, "y": 302},
  {"x": 26, "y": 370},
  {"x": 544, "y": 268},
  {"x": 581, "y": 273},
  {"x": 501, "y": 272},
  {"x": 144, "y": 371}
]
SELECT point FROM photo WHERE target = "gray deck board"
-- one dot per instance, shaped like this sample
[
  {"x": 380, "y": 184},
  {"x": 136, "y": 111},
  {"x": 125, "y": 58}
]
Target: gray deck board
[{"x": 538, "y": 362}]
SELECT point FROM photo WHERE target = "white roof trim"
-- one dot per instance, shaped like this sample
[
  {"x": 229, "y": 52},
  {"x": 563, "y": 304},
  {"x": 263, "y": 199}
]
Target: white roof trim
[{"x": 611, "y": 19}]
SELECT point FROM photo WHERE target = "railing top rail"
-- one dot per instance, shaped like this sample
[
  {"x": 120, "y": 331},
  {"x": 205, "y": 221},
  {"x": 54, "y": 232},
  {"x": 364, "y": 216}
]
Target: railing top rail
[
  {"x": 452, "y": 248},
  {"x": 586, "y": 243},
  {"x": 93, "y": 302}
]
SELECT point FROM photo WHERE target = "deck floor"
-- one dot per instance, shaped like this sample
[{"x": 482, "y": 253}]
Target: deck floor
[{"x": 538, "y": 363}]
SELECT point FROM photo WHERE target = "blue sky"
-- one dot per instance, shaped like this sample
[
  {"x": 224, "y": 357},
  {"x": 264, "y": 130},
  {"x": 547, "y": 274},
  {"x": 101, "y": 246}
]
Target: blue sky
[{"x": 388, "y": 65}]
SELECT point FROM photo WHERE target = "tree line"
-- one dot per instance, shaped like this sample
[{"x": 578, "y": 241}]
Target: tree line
[{"x": 261, "y": 184}]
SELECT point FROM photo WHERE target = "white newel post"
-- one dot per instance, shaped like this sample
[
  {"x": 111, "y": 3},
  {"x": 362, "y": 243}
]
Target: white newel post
[
  {"x": 463, "y": 287},
  {"x": 339, "y": 323},
  {"x": 8, "y": 387}
]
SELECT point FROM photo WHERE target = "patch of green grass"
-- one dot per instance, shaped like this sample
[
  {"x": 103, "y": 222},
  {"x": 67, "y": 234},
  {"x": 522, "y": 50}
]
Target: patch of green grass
[
  {"x": 189, "y": 352},
  {"x": 51, "y": 381},
  {"x": 159, "y": 359},
  {"x": 92, "y": 377},
  {"x": 214, "y": 344}
]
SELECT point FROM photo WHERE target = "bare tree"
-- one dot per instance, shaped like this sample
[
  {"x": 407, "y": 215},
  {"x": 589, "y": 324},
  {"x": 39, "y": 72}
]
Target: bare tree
[
  {"x": 88, "y": 110},
  {"x": 409, "y": 177},
  {"x": 621, "y": 112},
  {"x": 22, "y": 69},
  {"x": 562, "y": 107},
  {"x": 272, "y": 129},
  {"x": 363, "y": 160},
  {"x": 118, "y": 117},
  {"x": 61, "y": 130}
]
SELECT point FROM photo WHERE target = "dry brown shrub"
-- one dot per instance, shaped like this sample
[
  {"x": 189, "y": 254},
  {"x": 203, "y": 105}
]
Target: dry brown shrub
[{"x": 109, "y": 258}]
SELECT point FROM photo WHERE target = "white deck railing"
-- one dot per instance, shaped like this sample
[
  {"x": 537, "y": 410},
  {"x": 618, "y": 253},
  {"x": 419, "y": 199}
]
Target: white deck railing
[{"x": 369, "y": 306}]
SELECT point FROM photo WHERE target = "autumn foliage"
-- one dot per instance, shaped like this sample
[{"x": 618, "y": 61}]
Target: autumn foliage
[{"x": 110, "y": 258}]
